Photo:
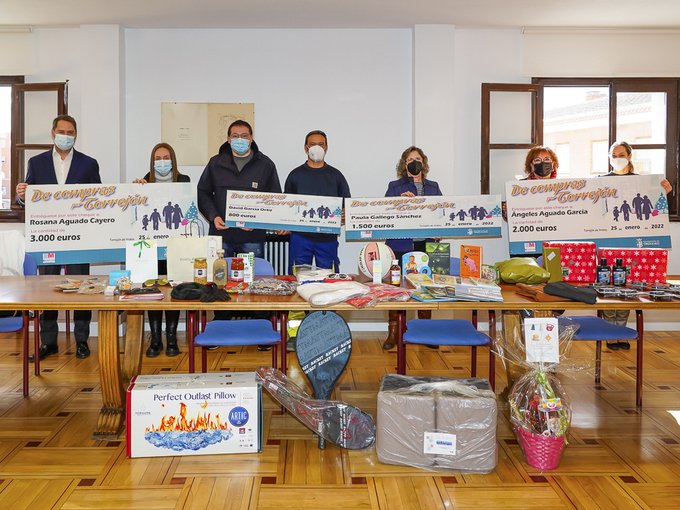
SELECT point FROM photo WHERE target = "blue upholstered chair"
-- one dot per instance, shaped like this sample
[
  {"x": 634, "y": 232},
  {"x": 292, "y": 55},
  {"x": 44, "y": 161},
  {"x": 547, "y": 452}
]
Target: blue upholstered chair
[
  {"x": 240, "y": 332},
  {"x": 596, "y": 329},
  {"x": 20, "y": 323},
  {"x": 452, "y": 332}
]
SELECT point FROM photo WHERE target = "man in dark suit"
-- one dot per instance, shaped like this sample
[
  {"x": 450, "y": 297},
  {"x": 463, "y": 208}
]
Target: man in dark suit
[{"x": 62, "y": 165}]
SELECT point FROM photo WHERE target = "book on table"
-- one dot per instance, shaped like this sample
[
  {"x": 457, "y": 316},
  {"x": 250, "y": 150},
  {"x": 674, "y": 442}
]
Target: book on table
[{"x": 464, "y": 289}]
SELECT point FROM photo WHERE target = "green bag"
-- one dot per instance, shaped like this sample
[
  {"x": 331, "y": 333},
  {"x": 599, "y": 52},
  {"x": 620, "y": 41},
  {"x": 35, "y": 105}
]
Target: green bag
[{"x": 522, "y": 270}]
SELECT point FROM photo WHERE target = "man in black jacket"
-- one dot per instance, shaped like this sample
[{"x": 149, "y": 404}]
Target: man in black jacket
[{"x": 239, "y": 165}]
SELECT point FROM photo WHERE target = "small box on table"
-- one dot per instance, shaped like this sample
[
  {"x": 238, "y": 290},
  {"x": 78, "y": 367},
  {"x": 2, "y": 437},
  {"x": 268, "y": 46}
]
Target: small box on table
[
  {"x": 647, "y": 265},
  {"x": 437, "y": 422},
  {"x": 194, "y": 414},
  {"x": 579, "y": 260}
]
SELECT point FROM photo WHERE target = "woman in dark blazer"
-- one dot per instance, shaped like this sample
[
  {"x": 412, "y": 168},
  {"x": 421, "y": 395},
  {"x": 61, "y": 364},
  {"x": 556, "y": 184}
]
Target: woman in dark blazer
[{"x": 412, "y": 170}]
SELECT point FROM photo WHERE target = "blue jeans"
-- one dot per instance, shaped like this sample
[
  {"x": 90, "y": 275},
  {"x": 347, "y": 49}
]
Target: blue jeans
[
  {"x": 303, "y": 250},
  {"x": 230, "y": 249}
]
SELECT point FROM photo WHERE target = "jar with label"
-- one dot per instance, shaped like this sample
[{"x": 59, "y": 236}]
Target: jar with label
[
  {"x": 220, "y": 270},
  {"x": 237, "y": 266},
  {"x": 201, "y": 270}
]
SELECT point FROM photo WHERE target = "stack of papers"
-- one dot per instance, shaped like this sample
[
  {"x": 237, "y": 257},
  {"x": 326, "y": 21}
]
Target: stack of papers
[{"x": 455, "y": 288}]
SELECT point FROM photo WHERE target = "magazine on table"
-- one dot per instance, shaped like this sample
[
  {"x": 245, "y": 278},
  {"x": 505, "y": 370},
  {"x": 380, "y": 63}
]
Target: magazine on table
[{"x": 464, "y": 289}]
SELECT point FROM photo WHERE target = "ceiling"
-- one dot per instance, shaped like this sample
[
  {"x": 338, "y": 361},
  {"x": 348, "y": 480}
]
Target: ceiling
[{"x": 341, "y": 13}]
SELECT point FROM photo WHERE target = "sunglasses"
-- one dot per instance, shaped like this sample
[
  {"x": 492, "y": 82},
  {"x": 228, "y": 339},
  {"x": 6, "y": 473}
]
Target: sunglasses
[{"x": 159, "y": 282}]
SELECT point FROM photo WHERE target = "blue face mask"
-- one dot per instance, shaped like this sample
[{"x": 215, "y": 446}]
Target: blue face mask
[
  {"x": 64, "y": 142},
  {"x": 240, "y": 145},
  {"x": 162, "y": 166}
]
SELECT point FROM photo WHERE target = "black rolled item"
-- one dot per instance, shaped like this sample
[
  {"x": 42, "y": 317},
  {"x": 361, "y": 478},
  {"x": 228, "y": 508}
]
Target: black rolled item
[{"x": 566, "y": 290}]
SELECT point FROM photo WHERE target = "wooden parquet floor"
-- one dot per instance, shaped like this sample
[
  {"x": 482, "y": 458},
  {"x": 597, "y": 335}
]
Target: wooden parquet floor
[{"x": 619, "y": 457}]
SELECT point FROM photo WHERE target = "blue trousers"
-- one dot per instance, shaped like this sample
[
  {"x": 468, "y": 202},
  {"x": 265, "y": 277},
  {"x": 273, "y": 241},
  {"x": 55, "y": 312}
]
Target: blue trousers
[{"x": 303, "y": 250}]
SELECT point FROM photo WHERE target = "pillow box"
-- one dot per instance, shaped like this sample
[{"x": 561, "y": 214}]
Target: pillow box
[
  {"x": 579, "y": 260},
  {"x": 437, "y": 423},
  {"x": 403, "y": 419},
  {"x": 193, "y": 414},
  {"x": 647, "y": 265}
]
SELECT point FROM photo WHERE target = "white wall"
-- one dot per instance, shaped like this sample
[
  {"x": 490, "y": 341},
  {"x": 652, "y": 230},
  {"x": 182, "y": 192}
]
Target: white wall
[{"x": 353, "y": 84}]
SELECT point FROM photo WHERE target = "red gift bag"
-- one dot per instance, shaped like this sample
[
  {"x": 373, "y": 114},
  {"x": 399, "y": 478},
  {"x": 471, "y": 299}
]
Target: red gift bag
[{"x": 579, "y": 260}]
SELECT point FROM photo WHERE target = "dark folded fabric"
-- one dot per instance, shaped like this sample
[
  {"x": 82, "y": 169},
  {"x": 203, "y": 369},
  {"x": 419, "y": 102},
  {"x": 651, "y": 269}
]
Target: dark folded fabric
[
  {"x": 197, "y": 292},
  {"x": 566, "y": 290}
]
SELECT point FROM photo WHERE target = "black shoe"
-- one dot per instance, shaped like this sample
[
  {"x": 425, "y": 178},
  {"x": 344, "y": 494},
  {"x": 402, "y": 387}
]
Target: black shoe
[
  {"x": 154, "y": 350},
  {"x": 82, "y": 351},
  {"x": 615, "y": 346},
  {"x": 264, "y": 348},
  {"x": 625, "y": 346},
  {"x": 172, "y": 350},
  {"x": 45, "y": 350}
]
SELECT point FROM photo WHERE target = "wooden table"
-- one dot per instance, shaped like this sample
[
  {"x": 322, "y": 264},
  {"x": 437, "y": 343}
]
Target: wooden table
[{"x": 37, "y": 293}]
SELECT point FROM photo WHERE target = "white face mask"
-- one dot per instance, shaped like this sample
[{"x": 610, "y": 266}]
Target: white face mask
[
  {"x": 316, "y": 153},
  {"x": 618, "y": 164}
]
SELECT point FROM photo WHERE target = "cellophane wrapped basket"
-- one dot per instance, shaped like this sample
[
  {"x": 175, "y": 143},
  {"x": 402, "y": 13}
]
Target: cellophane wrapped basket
[
  {"x": 541, "y": 415},
  {"x": 539, "y": 408}
]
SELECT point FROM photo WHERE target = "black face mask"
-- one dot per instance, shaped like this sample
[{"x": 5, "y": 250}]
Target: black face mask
[
  {"x": 543, "y": 169},
  {"x": 414, "y": 167}
]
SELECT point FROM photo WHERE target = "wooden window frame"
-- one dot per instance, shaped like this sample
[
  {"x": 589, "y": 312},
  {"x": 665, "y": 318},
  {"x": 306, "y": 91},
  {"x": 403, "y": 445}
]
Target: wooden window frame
[{"x": 16, "y": 213}]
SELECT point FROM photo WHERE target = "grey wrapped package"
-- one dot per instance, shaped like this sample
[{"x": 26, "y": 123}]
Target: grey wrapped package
[{"x": 437, "y": 423}]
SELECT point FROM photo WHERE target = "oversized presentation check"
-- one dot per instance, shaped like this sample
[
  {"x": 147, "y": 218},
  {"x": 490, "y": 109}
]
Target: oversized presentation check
[
  {"x": 79, "y": 223},
  {"x": 284, "y": 211},
  {"x": 424, "y": 216},
  {"x": 623, "y": 211}
]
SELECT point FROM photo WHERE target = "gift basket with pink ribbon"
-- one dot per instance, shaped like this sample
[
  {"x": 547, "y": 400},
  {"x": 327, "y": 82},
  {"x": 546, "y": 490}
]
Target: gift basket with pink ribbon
[{"x": 539, "y": 407}]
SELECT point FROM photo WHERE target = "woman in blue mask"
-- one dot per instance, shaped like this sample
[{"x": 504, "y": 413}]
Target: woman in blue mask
[{"x": 163, "y": 169}]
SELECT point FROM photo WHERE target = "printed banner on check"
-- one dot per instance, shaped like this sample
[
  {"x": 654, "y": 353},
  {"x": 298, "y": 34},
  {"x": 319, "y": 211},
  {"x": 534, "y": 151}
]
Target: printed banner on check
[
  {"x": 623, "y": 211},
  {"x": 431, "y": 216},
  {"x": 284, "y": 211},
  {"x": 79, "y": 223}
]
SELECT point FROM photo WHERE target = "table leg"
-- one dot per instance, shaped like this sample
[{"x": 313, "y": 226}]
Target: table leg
[
  {"x": 112, "y": 413},
  {"x": 492, "y": 346},
  {"x": 638, "y": 375},
  {"x": 134, "y": 341},
  {"x": 283, "y": 324},
  {"x": 401, "y": 348}
]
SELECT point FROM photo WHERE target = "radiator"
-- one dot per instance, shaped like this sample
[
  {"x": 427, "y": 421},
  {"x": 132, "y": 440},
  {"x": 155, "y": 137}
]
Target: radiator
[{"x": 276, "y": 251}]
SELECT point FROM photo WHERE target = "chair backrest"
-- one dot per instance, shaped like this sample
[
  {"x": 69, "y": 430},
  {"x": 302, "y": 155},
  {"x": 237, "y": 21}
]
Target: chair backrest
[
  {"x": 454, "y": 267},
  {"x": 30, "y": 267},
  {"x": 262, "y": 267}
]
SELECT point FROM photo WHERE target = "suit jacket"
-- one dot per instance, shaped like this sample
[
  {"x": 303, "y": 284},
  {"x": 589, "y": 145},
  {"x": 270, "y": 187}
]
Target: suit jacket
[{"x": 84, "y": 169}]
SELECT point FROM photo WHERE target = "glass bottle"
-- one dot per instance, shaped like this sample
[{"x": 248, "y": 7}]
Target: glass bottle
[
  {"x": 395, "y": 273},
  {"x": 619, "y": 274},
  {"x": 201, "y": 270},
  {"x": 604, "y": 273},
  {"x": 220, "y": 270}
]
